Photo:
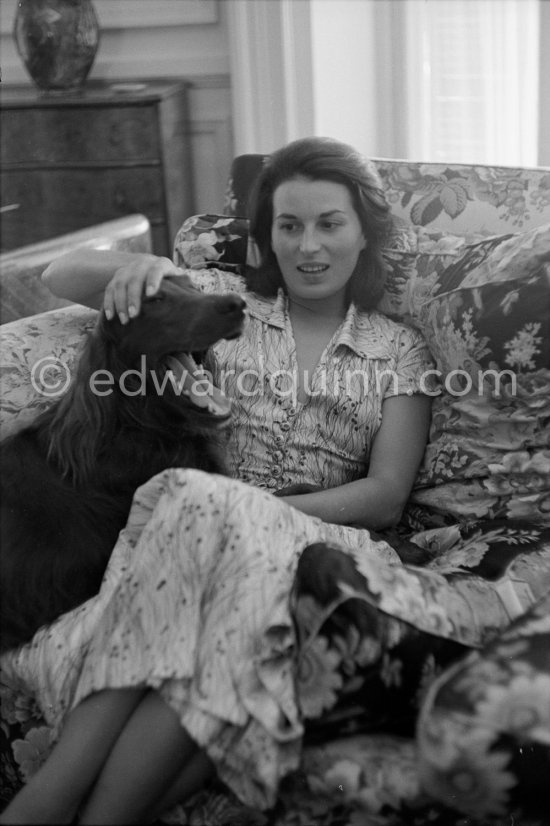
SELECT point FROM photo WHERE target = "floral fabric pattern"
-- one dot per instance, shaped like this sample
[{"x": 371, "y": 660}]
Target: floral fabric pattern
[
  {"x": 213, "y": 241},
  {"x": 463, "y": 199},
  {"x": 38, "y": 355},
  {"x": 484, "y": 313},
  {"x": 407, "y": 663},
  {"x": 458, "y": 198},
  {"x": 472, "y": 586},
  {"x": 484, "y": 730}
]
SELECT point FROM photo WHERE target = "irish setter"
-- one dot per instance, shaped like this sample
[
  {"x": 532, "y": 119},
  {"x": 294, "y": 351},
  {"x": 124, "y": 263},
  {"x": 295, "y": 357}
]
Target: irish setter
[{"x": 68, "y": 479}]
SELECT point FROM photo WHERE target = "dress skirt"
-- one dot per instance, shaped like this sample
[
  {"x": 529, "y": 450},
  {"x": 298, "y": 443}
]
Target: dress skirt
[{"x": 195, "y": 604}]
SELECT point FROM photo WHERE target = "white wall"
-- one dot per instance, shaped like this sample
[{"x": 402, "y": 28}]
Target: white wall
[
  {"x": 271, "y": 72},
  {"x": 544, "y": 91},
  {"x": 155, "y": 38},
  {"x": 343, "y": 109}
]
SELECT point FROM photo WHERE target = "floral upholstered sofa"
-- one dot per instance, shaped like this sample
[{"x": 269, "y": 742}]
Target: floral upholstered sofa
[{"x": 439, "y": 712}]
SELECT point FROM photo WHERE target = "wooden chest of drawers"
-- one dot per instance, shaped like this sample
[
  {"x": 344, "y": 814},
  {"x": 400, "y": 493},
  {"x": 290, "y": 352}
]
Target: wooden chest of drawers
[{"x": 73, "y": 160}]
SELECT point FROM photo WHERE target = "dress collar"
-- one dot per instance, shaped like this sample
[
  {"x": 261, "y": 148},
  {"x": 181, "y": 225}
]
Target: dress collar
[
  {"x": 268, "y": 309},
  {"x": 361, "y": 332}
]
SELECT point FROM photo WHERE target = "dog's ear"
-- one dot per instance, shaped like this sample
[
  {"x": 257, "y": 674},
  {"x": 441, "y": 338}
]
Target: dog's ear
[{"x": 85, "y": 415}]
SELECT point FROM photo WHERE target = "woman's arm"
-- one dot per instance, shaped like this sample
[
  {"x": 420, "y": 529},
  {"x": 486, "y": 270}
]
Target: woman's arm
[
  {"x": 377, "y": 501},
  {"x": 109, "y": 279}
]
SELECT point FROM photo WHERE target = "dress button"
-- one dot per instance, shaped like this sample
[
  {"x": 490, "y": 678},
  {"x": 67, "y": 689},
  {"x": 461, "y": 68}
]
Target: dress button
[
  {"x": 285, "y": 425},
  {"x": 276, "y": 472},
  {"x": 279, "y": 440},
  {"x": 278, "y": 455}
]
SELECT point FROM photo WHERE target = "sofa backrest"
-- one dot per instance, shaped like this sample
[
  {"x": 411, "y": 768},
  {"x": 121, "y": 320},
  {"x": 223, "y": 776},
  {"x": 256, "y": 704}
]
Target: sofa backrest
[{"x": 467, "y": 200}]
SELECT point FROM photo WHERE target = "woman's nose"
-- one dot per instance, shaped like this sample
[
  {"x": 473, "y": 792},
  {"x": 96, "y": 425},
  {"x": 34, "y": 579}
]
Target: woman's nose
[{"x": 309, "y": 241}]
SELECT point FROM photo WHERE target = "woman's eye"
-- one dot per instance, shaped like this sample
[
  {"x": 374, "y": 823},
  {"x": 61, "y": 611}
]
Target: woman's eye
[
  {"x": 288, "y": 227},
  {"x": 330, "y": 224}
]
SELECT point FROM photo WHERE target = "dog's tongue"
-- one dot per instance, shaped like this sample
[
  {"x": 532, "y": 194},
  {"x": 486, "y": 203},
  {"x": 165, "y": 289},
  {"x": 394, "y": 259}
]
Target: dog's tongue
[{"x": 193, "y": 382}]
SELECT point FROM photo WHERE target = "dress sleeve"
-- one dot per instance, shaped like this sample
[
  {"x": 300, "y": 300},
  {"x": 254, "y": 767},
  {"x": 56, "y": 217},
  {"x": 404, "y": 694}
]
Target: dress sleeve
[{"x": 414, "y": 369}]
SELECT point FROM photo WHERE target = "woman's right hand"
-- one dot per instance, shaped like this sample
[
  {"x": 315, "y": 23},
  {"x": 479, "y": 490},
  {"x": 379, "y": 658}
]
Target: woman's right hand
[{"x": 142, "y": 275}]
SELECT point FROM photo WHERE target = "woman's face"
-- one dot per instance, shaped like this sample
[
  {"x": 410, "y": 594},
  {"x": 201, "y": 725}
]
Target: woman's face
[{"x": 316, "y": 237}]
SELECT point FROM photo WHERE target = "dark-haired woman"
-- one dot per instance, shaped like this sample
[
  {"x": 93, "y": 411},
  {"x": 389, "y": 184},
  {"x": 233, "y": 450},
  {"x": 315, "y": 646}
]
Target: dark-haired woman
[{"x": 328, "y": 393}]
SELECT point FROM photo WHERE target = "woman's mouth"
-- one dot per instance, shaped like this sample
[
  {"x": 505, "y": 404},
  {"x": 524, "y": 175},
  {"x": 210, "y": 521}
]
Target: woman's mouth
[{"x": 312, "y": 269}]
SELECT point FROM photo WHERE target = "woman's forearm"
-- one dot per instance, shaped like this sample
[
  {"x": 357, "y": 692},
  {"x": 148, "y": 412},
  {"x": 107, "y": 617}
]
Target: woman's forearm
[
  {"x": 367, "y": 503},
  {"x": 82, "y": 275}
]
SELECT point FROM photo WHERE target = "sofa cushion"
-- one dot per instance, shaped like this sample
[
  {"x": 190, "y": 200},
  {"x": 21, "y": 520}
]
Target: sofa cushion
[
  {"x": 484, "y": 728},
  {"x": 466, "y": 301},
  {"x": 485, "y": 316}
]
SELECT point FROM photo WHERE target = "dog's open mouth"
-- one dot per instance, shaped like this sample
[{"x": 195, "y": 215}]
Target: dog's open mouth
[{"x": 193, "y": 382}]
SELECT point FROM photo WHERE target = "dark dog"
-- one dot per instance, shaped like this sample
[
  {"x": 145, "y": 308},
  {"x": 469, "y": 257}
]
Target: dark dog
[{"x": 68, "y": 479}]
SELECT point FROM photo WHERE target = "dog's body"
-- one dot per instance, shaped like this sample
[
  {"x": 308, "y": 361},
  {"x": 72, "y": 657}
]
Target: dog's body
[{"x": 68, "y": 479}]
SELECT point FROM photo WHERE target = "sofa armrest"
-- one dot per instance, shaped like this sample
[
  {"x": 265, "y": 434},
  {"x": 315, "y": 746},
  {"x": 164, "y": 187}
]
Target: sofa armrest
[{"x": 22, "y": 292}]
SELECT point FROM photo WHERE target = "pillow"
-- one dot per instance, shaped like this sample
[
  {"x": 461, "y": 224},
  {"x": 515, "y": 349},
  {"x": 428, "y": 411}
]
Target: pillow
[
  {"x": 484, "y": 728},
  {"x": 484, "y": 312},
  {"x": 38, "y": 357},
  {"x": 212, "y": 241}
]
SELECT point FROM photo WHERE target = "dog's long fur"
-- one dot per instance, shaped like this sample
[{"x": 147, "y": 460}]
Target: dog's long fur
[{"x": 68, "y": 479}]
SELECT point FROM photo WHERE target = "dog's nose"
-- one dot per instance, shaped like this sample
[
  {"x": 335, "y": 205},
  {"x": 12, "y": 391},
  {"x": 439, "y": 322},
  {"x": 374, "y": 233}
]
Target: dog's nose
[{"x": 233, "y": 303}]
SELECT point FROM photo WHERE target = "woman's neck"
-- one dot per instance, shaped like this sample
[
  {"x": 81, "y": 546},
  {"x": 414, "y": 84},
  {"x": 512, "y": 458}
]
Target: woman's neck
[
  {"x": 313, "y": 326},
  {"x": 321, "y": 310}
]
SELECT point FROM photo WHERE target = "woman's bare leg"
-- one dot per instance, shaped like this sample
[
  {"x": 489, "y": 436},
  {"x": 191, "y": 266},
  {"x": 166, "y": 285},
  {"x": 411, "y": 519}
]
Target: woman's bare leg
[
  {"x": 147, "y": 758},
  {"x": 55, "y": 792},
  {"x": 193, "y": 778}
]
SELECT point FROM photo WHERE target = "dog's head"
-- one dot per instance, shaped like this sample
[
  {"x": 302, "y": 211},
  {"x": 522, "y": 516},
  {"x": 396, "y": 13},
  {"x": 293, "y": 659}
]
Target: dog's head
[{"x": 173, "y": 326}]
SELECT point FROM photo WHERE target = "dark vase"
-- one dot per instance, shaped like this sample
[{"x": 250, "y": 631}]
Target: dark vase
[{"x": 57, "y": 41}]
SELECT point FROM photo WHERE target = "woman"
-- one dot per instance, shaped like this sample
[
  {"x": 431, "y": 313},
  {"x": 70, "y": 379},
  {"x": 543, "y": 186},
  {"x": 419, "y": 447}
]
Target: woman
[{"x": 175, "y": 669}]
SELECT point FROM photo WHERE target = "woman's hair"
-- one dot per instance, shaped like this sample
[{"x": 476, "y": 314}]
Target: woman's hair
[{"x": 322, "y": 159}]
